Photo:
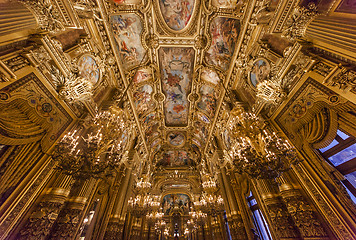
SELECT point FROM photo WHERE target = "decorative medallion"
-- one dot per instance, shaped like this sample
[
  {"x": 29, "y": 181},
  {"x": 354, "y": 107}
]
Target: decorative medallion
[
  {"x": 176, "y": 138},
  {"x": 224, "y": 33},
  {"x": 176, "y": 66},
  {"x": 88, "y": 68},
  {"x": 127, "y": 29},
  {"x": 176, "y": 13},
  {"x": 260, "y": 71}
]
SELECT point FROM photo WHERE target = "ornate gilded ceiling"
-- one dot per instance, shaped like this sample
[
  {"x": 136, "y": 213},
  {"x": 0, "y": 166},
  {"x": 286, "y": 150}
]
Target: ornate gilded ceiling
[{"x": 174, "y": 57}]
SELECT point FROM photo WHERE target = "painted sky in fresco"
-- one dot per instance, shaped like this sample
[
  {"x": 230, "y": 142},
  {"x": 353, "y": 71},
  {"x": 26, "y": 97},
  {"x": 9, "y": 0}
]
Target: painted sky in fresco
[
  {"x": 176, "y": 75},
  {"x": 176, "y": 13},
  {"x": 127, "y": 30},
  {"x": 224, "y": 32}
]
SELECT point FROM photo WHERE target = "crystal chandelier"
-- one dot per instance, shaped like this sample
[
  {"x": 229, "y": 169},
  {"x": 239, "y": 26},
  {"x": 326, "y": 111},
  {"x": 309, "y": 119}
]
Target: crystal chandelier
[
  {"x": 99, "y": 152},
  {"x": 199, "y": 216},
  {"x": 210, "y": 203},
  {"x": 143, "y": 203},
  {"x": 255, "y": 150}
]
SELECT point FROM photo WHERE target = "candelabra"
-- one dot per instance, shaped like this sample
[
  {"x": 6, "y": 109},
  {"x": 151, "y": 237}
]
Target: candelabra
[
  {"x": 256, "y": 151},
  {"x": 101, "y": 150}
]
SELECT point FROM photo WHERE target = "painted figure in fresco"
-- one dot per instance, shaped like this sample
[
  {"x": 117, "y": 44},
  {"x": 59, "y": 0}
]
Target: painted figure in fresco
[
  {"x": 176, "y": 13},
  {"x": 142, "y": 75},
  {"x": 224, "y": 32},
  {"x": 127, "y": 29},
  {"x": 259, "y": 72}
]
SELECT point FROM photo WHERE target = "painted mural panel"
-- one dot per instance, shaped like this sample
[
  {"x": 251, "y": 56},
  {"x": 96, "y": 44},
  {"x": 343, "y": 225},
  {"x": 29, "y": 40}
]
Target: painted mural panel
[
  {"x": 176, "y": 13},
  {"x": 143, "y": 100},
  {"x": 224, "y": 32},
  {"x": 208, "y": 100},
  {"x": 175, "y": 158},
  {"x": 127, "y": 29},
  {"x": 142, "y": 75},
  {"x": 177, "y": 200},
  {"x": 210, "y": 76},
  {"x": 176, "y": 75}
]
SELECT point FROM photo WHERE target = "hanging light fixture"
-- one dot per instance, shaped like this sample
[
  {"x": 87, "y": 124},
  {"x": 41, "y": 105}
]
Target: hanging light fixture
[
  {"x": 143, "y": 203},
  {"x": 256, "y": 150},
  {"x": 99, "y": 152}
]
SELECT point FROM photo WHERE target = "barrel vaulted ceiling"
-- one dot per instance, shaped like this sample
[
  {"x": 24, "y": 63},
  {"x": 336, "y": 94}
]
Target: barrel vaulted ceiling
[{"x": 176, "y": 58}]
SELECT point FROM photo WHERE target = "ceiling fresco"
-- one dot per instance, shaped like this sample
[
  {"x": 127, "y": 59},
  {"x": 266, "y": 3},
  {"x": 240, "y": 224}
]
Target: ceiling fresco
[
  {"x": 176, "y": 89},
  {"x": 176, "y": 14},
  {"x": 224, "y": 32},
  {"x": 176, "y": 76},
  {"x": 127, "y": 29}
]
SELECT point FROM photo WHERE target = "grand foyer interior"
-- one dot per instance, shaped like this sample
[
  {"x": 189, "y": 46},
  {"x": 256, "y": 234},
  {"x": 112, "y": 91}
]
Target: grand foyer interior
[{"x": 177, "y": 119}]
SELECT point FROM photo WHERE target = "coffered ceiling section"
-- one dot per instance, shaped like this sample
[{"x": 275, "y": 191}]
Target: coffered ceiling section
[{"x": 174, "y": 55}]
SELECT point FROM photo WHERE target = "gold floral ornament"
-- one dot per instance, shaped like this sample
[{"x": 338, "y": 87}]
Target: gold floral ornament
[
  {"x": 255, "y": 150},
  {"x": 100, "y": 152}
]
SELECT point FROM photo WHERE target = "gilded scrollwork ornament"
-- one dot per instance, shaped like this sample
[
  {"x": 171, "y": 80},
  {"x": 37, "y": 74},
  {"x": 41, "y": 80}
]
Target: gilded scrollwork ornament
[
  {"x": 304, "y": 217},
  {"x": 296, "y": 25}
]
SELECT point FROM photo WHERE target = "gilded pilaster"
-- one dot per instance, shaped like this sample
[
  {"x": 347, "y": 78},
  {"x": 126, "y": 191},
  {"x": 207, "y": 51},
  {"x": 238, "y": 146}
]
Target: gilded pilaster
[
  {"x": 41, "y": 220},
  {"x": 302, "y": 213},
  {"x": 281, "y": 221},
  {"x": 69, "y": 218}
]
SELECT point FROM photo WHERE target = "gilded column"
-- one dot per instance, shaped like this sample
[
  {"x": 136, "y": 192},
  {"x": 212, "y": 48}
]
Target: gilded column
[
  {"x": 15, "y": 18},
  {"x": 40, "y": 222},
  {"x": 69, "y": 218},
  {"x": 302, "y": 213},
  {"x": 281, "y": 221},
  {"x": 115, "y": 226},
  {"x": 236, "y": 222},
  {"x": 333, "y": 34}
]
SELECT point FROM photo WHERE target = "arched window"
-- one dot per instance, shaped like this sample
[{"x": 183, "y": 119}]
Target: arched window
[
  {"x": 258, "y": 220},
  {"x": 341, "y": 153}
]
